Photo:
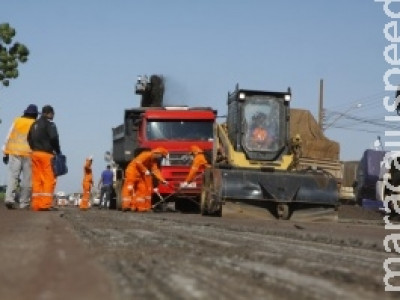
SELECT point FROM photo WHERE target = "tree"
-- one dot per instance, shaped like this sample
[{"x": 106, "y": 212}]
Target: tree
[{"x": 10, "y": 54}]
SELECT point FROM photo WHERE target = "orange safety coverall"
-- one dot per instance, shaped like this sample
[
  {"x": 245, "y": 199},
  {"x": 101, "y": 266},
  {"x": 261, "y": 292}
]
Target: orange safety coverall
[
  {"x": 199, "y": 163},
  {"x": 137, "y": 188},
  {"x": 87, "y": 184},
  {"x": 260, "y": 135},
  {"x": 43, "y": 181}
]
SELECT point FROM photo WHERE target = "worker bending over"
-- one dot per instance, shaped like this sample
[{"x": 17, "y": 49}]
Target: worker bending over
[
  {"x": 199, "y": 163},
  {"x": 138, "y": 185},
  {"x": 87, "y": 183}
]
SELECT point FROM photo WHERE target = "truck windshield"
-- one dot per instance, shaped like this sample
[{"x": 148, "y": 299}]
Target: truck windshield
[
  {"x": 263, "y": 123},
  {"x": 179, "y": 130}
]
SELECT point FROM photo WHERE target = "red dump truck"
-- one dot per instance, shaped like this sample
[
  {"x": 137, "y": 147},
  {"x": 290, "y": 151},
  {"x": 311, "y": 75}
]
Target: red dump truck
[{"x": 174, "y": 128}]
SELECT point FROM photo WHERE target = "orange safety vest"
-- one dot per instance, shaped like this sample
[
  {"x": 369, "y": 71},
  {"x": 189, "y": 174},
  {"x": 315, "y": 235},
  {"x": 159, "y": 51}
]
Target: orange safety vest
[{"x": 16, "y": 143}]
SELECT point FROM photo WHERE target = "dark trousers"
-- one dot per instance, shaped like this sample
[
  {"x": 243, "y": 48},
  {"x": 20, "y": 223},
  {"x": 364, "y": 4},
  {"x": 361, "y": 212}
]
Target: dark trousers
[{"x": 105, "y": 195}]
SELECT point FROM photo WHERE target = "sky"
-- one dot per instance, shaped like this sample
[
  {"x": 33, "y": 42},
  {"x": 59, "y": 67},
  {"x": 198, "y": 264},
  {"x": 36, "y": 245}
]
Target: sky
[{"x": 85, "y": 56}]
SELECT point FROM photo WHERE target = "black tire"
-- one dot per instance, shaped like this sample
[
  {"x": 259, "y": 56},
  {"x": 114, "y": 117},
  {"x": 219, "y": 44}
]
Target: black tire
[
  {"x": 218, "y": 212},
  {"x": 203, "y": 202},
  {"x": 209, "y": 206}
]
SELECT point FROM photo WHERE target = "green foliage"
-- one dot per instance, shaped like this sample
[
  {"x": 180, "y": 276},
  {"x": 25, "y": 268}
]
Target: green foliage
[{"x": 10, "y": 54}]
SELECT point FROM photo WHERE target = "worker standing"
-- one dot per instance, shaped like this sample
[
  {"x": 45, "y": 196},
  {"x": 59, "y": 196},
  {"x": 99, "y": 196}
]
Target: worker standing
[
  {"x": 44, "y": 141},
  {"x": 199, "y": 163},
  {"x": 17, "y": 154},
  {"x": 87, "y": 183},
  {"x": 138, "y": 186},
  {"x": 105, "y": 186}
]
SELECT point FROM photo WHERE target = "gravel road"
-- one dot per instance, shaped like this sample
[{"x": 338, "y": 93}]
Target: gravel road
[{"x": 243, "y": 255}]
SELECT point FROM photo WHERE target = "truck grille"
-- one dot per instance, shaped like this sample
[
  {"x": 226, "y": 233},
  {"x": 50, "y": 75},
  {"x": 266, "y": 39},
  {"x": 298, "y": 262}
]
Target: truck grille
[{"x": 177, "y": 159}]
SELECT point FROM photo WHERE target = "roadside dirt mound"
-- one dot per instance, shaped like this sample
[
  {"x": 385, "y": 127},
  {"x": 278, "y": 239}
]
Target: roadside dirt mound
[{"x": 314, "y": 143}]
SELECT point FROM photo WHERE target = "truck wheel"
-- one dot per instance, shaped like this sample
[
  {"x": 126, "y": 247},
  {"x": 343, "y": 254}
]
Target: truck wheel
[
  {"x": 205, "y": 196},
  {"x": 118, "y": 194},
  {"x": 283, "y": 211},
  {"x": 218, "y": 212},
  {"x": 209, "y": 204},
  {"x": 203, "y": 202}
]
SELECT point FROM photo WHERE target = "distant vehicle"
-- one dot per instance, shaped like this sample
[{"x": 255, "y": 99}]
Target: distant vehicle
[
  {"x": 368, "y": 179},
  {"x": 74, "y": 198},
  {"x": 96, "y": 199},
  {"x": 389, "y": 174},
  {"x": 61, "y": 199},
  {"x": 349, "y": 171}
]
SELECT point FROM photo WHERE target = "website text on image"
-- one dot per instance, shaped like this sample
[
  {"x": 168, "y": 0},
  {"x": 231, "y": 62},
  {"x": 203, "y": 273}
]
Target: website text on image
[{"x": 391, "y": 265}]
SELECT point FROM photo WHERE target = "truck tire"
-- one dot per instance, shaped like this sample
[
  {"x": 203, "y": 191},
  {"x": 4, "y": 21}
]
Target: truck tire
[
  {"x": 208, "y": 207},
  {"x": 203, "y": 202},
  {"x": 118, "y": 194},
  {"x": 218, "y": 212}
]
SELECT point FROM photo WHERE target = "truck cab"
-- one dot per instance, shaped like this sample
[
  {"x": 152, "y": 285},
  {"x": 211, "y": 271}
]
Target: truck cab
[{"x": 258, "y": 123}]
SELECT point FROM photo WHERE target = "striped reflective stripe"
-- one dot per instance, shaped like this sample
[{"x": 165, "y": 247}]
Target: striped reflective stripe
[{"x": 42, "y": 194}]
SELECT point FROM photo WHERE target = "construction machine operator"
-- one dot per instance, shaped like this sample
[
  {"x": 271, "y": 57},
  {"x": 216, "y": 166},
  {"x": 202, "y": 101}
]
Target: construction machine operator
[{"x": 259, "y": 136}]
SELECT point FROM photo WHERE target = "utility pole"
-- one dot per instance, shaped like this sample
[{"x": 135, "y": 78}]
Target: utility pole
[{"x": 321, "y": 105}]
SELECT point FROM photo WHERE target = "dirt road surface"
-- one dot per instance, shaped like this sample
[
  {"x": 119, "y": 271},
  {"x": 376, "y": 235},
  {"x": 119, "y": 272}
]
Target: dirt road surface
[{"x": 246, "y": 254}]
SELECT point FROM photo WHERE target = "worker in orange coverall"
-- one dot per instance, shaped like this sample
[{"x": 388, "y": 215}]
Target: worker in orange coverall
[
  {"x": 87, "y": 183},
  {"x": 138, "y": 185},
  {"x": 199, "y": 164},
  {"x": 44, "y": 141}
]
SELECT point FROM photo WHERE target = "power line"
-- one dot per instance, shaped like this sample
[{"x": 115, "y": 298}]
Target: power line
[{"x": 357, "y": 129}]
